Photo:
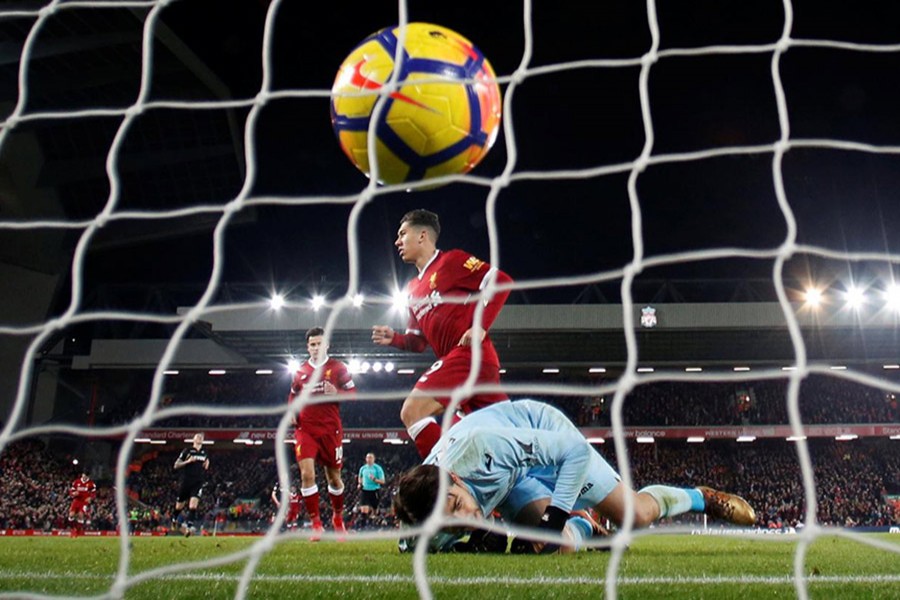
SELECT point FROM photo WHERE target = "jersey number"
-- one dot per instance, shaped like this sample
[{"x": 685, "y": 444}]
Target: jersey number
[{"x": 437, "y": 365}]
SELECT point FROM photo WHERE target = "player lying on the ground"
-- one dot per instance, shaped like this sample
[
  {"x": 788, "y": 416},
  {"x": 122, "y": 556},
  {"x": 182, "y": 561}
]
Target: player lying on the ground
[{"x": 528, "y": 462}]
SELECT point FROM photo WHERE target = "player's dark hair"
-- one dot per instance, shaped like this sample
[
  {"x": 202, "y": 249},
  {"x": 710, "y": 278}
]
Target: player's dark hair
[
  {"x": 416, "y": 494},
  {"x": 313, "y": 332},
  {"x": 423, "y": 218}
]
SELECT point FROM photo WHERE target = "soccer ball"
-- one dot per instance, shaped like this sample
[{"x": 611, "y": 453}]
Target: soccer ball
[{"x": 443, "y": 118}]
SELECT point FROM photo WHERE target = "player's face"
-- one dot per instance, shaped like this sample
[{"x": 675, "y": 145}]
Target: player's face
[
  {"x": 198, "y": 440},
  {"x": 370, "y": 459},
  {"x": 409, "y": 242},
  {"x": 316, "y": 347},
  {"x": 461, "y": 504}
]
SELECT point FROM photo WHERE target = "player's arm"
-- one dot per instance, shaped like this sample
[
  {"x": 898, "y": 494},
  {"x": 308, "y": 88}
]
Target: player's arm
[
  {"x": 475, "y": 275},
  {"x": 411, "y": 341},
  {"x": 183, "y": 460},
  {"x": 296, "y": 388},
  {"x": 345, "y": 383},
  {"x": 206, "y": 465},
  {"x": 275, "y": 498},
  {"x": 379, "y": 477}
]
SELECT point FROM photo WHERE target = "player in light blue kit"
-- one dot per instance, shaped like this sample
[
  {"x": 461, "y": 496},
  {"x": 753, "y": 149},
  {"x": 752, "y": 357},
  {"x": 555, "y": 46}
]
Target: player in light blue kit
[{"x": 527, "y": 461}]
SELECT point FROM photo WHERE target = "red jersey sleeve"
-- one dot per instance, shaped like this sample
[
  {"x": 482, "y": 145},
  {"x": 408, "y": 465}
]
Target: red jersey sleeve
[
  {"x": 471, "y": 273},
  {"x": 344, "y": 380},
  {"x": 296, "y": 387}
]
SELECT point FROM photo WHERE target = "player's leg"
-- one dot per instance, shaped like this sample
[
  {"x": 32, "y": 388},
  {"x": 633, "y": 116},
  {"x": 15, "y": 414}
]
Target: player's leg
[
  {"x": 305, "y": 452},
  {"x": 73, "y": 531},
  {"x": 660, "y": 501},
  {"x": 420, "y": 411},
  {"x": 419, "y": 414},
  {"x": 336, "y": 495},
  {"x": 193, "y": 503}
]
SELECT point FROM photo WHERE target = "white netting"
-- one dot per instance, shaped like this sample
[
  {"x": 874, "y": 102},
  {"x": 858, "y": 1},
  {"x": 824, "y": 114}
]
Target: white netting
[{"x": 651, "y": 57}]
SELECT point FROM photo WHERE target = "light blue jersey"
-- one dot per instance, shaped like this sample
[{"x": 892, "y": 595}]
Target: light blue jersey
[
  {"x": 512, "y": 453},
  {"x": 368, "y": 483}
]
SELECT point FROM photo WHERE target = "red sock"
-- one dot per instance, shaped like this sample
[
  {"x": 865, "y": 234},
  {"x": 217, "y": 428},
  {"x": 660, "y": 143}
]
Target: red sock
[
  {"x": 312, "y": 505},
  {"x": 337, "y": 503},
  {"x": 427, "y": 438}
]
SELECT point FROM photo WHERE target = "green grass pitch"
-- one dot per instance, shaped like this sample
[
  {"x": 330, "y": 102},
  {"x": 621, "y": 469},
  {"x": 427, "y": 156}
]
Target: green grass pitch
[{"x": 657, "y": 566}]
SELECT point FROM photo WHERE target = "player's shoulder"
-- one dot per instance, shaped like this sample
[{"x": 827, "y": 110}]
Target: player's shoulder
[{"x": 462, "y": 259}]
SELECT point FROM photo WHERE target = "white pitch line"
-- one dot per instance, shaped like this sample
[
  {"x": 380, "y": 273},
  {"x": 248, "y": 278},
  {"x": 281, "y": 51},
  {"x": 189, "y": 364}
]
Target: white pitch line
[{"x": 462, "y": 581}]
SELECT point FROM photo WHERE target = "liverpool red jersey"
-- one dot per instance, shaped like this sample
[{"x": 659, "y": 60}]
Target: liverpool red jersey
[
  {"x": 456, "y": 275},
  {"x": 322, "y": 414},
  {"x": 82, "y": 490}
]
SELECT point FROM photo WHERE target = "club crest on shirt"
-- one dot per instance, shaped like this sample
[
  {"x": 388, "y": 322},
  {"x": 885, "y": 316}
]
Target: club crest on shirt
[
  {"x": 432, "y": 281},
  {"x": 473, "y": 263}
]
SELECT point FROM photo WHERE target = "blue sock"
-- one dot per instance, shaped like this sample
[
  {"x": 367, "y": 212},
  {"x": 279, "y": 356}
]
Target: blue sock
[
  {"x": 673, "y": 500},
  {"x": 698, "y": 504},
  {"x": 581, "y": 531}
]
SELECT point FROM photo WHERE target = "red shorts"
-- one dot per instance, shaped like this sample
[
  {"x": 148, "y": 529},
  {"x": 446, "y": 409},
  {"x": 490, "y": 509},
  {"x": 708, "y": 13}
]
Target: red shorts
[
  {"x": 325, "y": 446},
  {"x": 79, "y": 506},
  {"x": 450, "y": 372}
]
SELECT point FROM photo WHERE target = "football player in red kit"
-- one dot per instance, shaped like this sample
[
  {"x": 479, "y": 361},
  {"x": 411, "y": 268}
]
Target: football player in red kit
[
  {"x": 318, "y": 431},
  {"x": 82, "y": 491},
  {"x": 447, "y": 326}
]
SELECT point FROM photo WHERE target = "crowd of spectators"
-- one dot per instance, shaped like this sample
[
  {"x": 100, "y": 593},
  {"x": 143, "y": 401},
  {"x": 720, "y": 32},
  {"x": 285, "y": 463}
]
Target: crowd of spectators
[
  {"x": 857, "y": 483},
  {"x": 36, "y": 490},
  {"x": 121, "y": 396}
]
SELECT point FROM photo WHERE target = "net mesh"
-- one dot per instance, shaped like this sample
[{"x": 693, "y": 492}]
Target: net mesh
[{"x": 123, "y": 120}]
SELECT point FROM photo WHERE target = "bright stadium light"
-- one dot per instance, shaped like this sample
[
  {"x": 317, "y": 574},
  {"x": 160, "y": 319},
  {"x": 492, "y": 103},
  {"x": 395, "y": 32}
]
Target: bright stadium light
[
  {"x": 399, "y": 300},
  {"x": 644, "y": 440},
  {"x": 596, "y": 440},
  {"x": 845, "y": 437},
  {"x": 358, "y": 300},
  {"x": 813, "y": 296},
  {"x": 597, "y": 370},
  {"x": 854, "y": 297},
  {"x": 892, "y": 296},
  {"x": 388, "y": 367},
  {"x": 377, "y": 366},
  {"x": 406, "y": 371},
  {"x": 170, "y": 372},
  {"x": 216, "y": 371},
  {"x": 693, "y": 369},
  {"x": 317, "y": 302},
  {"x": 353, "y": 365},
  {"x": 276, "y": 302},
  {"x": 746, "y": 438},
  {"x": 645, "y": 369},
  {"x": 696, "y": 439},
  {"x": 264, "y": 371},
  {"x": 365, "y": 366},
  {"x": 550, "y": 370},
  {"x": 293, "y": 364},
  {"x": 74, "y": 461}
]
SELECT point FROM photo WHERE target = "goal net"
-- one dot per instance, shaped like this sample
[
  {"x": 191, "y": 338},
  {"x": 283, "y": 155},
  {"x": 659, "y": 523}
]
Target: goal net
[{"x": 186, "y": 146}]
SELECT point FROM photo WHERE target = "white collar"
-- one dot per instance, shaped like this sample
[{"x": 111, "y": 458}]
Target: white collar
[
  {"x": 428, "y": 264},
  {"x": 316, "y": 366}
]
